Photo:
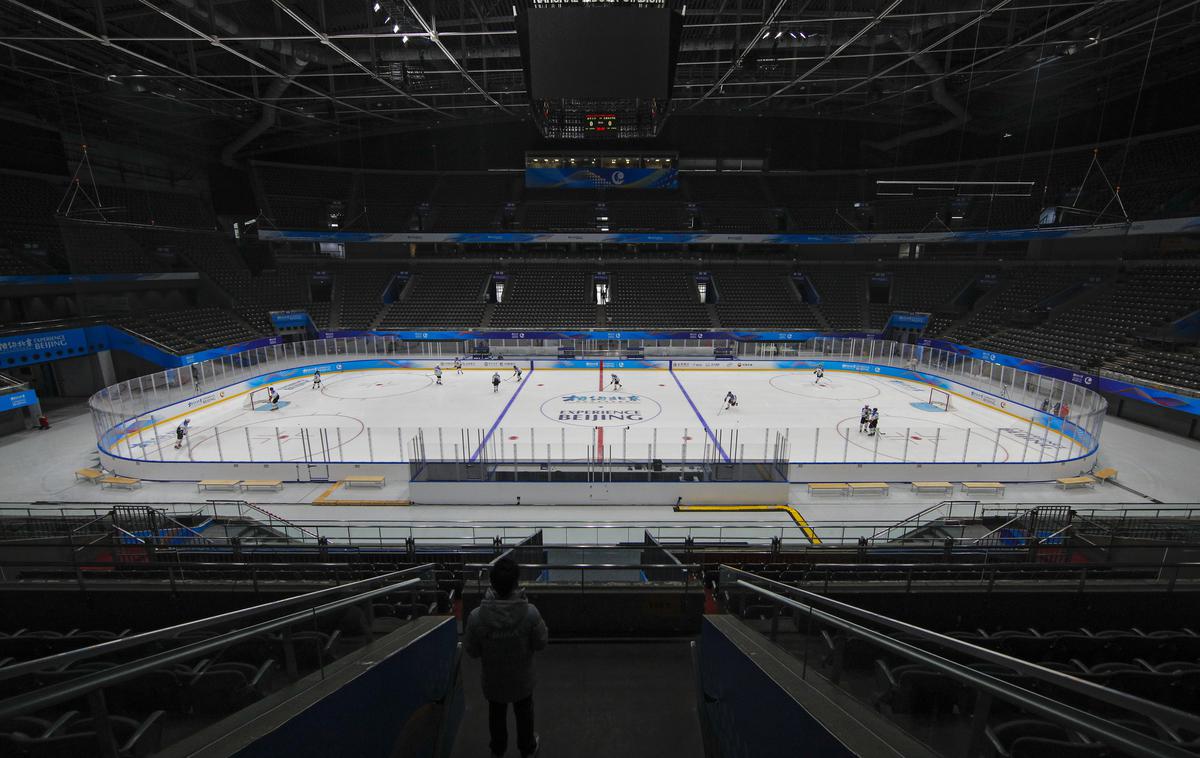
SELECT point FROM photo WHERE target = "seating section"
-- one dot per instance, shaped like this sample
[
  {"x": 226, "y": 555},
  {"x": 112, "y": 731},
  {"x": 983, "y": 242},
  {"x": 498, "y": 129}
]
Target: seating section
[
  {"x": 1019, "y": 290},
  {"x": 439, "y": 297},
  {"x": 13, "y": 262},
  {"x": 843, "y": 293},
  {"x": 547, "y": 298},
  {"x": 1159, "y": 665},
  {"x": 359, "y": 295},
  {"x": 561, "y": 217},
  {"x": 389, "y": 201},
  {"x": 172, "y": 701},
  {"x": 656, "y": 298},
  {"x": 767, "y": 299},
  {"x": 927, "y": 290},
  {"x": 29, "y": 205},
  {"x": 1097, "y": 328},
  {"x": 648, "y": 216},
  {"x": 94, "y": 248},
  {"x": 187, "y": 331},
  {"x": 1156, "y": 183},
  {"x": 300, "y": 198}
]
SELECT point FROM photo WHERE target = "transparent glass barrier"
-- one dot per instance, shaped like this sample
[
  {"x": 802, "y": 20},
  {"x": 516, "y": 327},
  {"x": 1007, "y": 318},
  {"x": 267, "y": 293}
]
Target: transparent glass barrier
[{"x": 1050, "y": 420}]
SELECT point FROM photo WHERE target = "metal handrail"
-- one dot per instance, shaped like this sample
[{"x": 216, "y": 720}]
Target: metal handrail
[
  {"x": 89, "y": 523},
  {"x": 1012, "y": 566},
  {"x": 129, "y": 534},
  {"x": 1119, "y": 736},
  {"x": 1059, "y": 679},
  {"x": 900, "y": 524},
  {"x": 1013, "y": 520},
  {"x": 29, "y": 702},
  {"x": 688, "y": 566},
  {"x": 122, "y": 643},
  {"x": 654, "y": 541}
]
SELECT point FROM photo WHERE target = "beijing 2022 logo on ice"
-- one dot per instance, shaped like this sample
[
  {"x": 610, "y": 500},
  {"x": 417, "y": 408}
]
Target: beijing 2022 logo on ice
[{"x": 601, "y": 409}]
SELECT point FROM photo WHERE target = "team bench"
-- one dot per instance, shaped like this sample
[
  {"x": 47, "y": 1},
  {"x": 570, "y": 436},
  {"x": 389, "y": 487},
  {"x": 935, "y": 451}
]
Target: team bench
[
  {"x": 262, "y": 484},
  {"x": 93, "y": 475},
  {"x": 1105, "y": 474},
  {"x": 996, "y": 488},
  {"x": 364, "y": 481},
  {"x": 218, "y": 484},
  {"x": 840, "y": 488},
  {"x": 1071, "y": 482},
  {"x": 944, "y": 487},
  {"x": 880, "y": 487},
  {"x": 124, "y": 482}
]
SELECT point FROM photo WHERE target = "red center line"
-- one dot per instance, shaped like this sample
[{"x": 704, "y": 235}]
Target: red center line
[{"x": 600, "y": 429}]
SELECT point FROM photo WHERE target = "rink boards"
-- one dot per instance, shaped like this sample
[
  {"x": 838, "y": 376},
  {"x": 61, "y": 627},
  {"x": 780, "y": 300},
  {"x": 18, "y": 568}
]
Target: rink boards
[{"x": 373, "y": 414}]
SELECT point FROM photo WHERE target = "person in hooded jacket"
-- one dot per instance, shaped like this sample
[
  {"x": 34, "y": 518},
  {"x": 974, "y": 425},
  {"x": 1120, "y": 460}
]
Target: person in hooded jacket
[{"x": 505, "y": 631}]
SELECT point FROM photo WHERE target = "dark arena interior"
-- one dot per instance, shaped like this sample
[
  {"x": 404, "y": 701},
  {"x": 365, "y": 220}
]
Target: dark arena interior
[{"x": 826, "y": 373}]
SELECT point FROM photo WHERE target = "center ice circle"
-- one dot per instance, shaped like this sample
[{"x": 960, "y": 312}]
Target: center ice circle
[{"x": 601, "y": 408}]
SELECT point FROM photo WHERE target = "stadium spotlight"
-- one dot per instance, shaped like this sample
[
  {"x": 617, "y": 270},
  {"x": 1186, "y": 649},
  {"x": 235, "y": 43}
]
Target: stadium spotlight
[
  {"x": 778, "y": 34},
  {"x": 376, "y": 8},
  {"x": 404, "y": 39},
  {"x": 395, "y": 28}
]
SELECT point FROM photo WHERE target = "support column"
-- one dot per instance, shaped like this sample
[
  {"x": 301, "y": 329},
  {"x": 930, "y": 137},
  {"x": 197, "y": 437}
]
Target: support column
[{"x": 108, "y": 374}]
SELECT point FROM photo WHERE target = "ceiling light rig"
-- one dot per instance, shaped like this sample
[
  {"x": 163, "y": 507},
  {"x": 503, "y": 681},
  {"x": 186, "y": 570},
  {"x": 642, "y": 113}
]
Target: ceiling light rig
[{"x": 393, "y": 15}]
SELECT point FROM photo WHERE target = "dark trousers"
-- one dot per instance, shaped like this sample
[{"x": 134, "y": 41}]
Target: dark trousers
[{"x": 498, "y": 724}]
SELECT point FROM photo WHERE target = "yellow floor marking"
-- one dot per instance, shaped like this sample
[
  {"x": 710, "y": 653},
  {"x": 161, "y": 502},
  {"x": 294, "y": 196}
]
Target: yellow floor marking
[
  {"x": 809, "y": 534},
  {"x": 323, "y": 499}
]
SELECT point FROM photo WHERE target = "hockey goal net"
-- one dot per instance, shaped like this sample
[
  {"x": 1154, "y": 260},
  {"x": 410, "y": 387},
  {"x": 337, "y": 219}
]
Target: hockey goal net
[
  {"x": 256, "y": 399},
  {"x": 940, "y": 399}
]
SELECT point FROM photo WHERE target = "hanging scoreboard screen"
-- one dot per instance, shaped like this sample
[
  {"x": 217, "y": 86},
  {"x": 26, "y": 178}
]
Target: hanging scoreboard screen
[
  {"x": 599, "y": 124},
  {"x": 599, "y": 52}
]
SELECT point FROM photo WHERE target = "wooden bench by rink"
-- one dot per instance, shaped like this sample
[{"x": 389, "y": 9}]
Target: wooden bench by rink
[
  {"x": 880, "y": 487},
  {"x": 364, "y": 481},
  {"x": 1070, "y": 482},
  {"x": 993, "y": 487},
  {"x": 1105, "y": 474},
  {"x": 218, "y": 484},
  {"x": 943, "y": 487},
  {"x": 124, "y": 482},
  {"x": 93, "y": 475},
  {"x": 839, "y": 488},
  {"x": 262, "y": 484}
]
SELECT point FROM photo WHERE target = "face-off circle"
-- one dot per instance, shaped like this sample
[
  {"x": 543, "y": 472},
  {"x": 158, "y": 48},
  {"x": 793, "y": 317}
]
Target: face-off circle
[
  {"x": 601, "y": 408},
  {"x": 374, "y": 387},
  {"x": 839, "y": 387}
]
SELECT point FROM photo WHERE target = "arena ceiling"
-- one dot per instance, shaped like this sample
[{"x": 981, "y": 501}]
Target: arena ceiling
[{"x": 231, "y": 77}]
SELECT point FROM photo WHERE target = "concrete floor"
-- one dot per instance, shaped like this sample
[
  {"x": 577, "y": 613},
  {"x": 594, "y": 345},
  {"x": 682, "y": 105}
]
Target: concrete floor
[{"x": 599, "y": 699}]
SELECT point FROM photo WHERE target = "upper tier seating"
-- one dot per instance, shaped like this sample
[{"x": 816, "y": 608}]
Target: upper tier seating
[{"x": 29, "y": 206}]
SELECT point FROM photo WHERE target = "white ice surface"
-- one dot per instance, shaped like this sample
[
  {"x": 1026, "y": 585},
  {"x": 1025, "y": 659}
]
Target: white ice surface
[{"x": 572, "y": 415}]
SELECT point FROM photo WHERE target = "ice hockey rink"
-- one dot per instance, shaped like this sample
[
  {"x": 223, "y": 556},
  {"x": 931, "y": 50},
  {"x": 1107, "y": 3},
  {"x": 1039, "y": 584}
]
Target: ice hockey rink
[{"x": 554, "y": 414}]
